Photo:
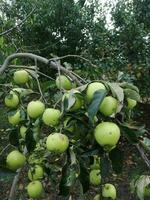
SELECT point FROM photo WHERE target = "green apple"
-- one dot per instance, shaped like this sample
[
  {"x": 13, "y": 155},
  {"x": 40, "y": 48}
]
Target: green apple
[
  {"x": 78, "y": 101},
  {"x": 35, "y": 109},
  {"x": 57, "y": 142},
  {"x": 147, "y": 191},
  {"x": 23, "y": 130},
  {"x": 35, "y": 189},
  {"x": 92, "y": 88},
  {"x": 11, "y": 100},
  {"x": 15, "y": 118},
  {"x": 15, "y": 160},
  {"x": 36, "y": 174},
  {"x": 51, "y": 116},
  {"x": 109, "y": 106},
  {"x": 21, "y": 77},
  {"x": 107, "y": 134},
  {"x": 63, "y": 82},
  {"x": 97, "y": 197},
  {"x": 131, "y": 103},
  {"x": 95, "y": 177},
  {"x": 109, "y": 190}
]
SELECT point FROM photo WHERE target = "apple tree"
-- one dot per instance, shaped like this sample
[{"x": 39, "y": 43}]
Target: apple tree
[{"x": 68, "y": 131}]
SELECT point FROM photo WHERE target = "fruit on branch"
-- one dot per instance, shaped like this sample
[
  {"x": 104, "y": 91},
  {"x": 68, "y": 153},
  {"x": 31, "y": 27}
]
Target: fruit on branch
[
  {"x": 109, "y": 191},
  {"x": 147, "y": 191},
  {"x": 51, "y": 116},
  {"x": 15, "y": 118},
  {"x": 11, "y": 100},
  {"x": 57, "y": 142},
  {"x": 131, "y": 103},
  {"x": 15, "y": 160},
  {"x": 36, "y": 173},
  {"x": 21, "y": 77},
  {"x": 35, "y": 109},
  {"x": 107, "y": 134},
  {"x": 92, "y": 88},
  {"x": 35, "y": 189},
  {"x": 63, "y": 82},
  {"x": 97, "y": 197},
  {"x": 75, "y": 96},
  {"x": 95, "y": 177},
  {"x": 109, "y": 106},
  {"x": 23, "y": 130}
]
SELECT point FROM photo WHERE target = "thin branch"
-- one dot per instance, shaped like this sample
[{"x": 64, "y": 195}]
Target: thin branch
[
  {"x": 74, "y": 56},
  {"x": 20, "y": 24},
  {"x": 15, "y": 181},
  {"x": 52, "y": 64},
  {"x": 143, "y": 155}
]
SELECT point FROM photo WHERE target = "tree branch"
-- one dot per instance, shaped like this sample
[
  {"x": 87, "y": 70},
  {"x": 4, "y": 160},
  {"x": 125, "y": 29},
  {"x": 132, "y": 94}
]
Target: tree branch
[
  {"x": 52, "y": 64},
  {"x": 16, "y": 26}
]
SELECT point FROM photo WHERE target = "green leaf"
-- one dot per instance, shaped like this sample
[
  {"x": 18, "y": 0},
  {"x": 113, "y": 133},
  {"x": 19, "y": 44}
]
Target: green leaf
[
  {"x": 95, "y": 104},
  {"x": 132, "y": 94},
  {"x": 13, "y": 137},
  {"x": 105, "y": 166},
  {"x": 129, "y": 86},
  {"x": 117, "y": 91},
  {"x": 6, "y": 173},
  {"x": 140, "y": 185},
  {"x": 29, "y": 140},
  {"x": 84, "y": 178},
  {"x": 116, "y": 157},
  {"x": 145, "y": 142}
]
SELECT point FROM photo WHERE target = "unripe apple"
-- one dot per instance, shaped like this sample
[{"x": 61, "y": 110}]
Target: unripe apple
[
  {"x": 23, "y": 130},
  {"x": 107, "y": 134},
  {"x": 15, "y": 160},
  {"x": 35, "y": 109},
  {"x": 21, "y": 77},
  {"x": 95, "y": 177},
  {"x": 11, "y": 100},
  {"x": 15, "y": 119},
  {"x": 92, "y": 88},
  {"x": 63, "y": 82},
  {"x": 35, "y": 189},
  {"x": 147, "y": 191},
  {"x": 131, "y": 103},
  {"x": 57, "y": 142},
  {"x": 97, "y": 197},
  {"x": 51, "y": 116},
  {"x": 109, "y": 190},
  {"x": 36, "y": 174},
  {"x": 108, "y": 106}
]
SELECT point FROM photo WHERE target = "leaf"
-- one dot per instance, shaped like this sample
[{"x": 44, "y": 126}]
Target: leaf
[
  {"x": 140, "y": 185},
  {"x": 13, "y": 137},
  {"x": 117, "y": 91},
  {"x": 6, "y": 173},
  {"x": 105, "y": 166},
  {"x": 116, "y": 157},
  {"x": 29, "y": 140},
  {"x": 84, "y": 178},
  {"x": 132, "y": 94},
  {"x": 71, "y": 100},
  {"x": 145, "y": 142},
  {"x": 129, "y": 86},
  {"x": 95, "y": 104}
]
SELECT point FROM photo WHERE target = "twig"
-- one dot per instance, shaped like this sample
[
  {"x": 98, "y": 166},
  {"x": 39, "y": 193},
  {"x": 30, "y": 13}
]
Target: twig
[
  {"x": 15, "y": 181},
  {"x": 74, "y": 56},
  {"x": 52, "y": 64},
  {"x": 144, "y": 157},
  {"x": 21, "y": 23}
]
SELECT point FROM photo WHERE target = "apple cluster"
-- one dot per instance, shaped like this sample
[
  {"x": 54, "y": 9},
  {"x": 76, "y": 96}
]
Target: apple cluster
[{"x": 106, "y": 133}]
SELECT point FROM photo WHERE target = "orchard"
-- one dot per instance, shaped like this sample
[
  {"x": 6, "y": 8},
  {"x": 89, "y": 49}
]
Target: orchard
[{"x": 69, "y": 136}]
